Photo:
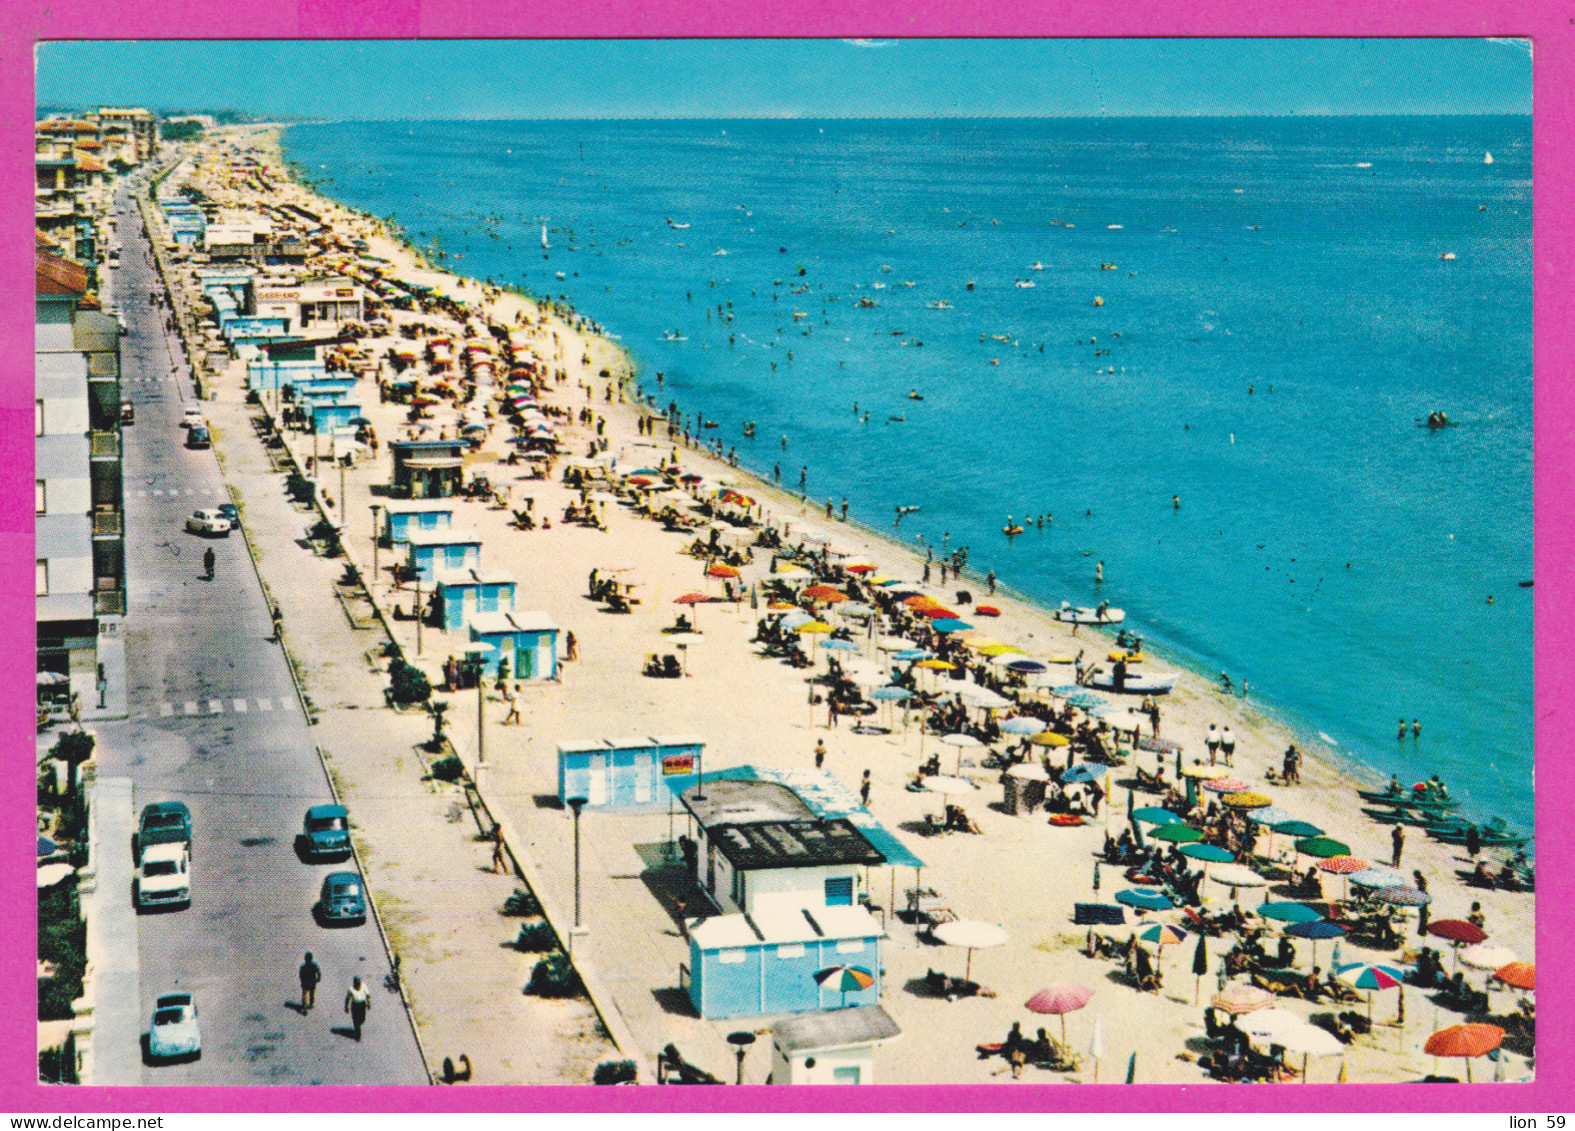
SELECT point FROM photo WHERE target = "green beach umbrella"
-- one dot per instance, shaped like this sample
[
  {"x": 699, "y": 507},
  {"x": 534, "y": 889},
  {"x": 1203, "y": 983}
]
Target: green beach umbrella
[
  {"x": 1211, "y": 853},
  {"x": 1323, "y": 847},
  {"x": 1288, "y": 912},
  {"x": 1177, "y": 834},
  {"x": 1297, "y": 828},
  {"x": 1154, "y": 815}
]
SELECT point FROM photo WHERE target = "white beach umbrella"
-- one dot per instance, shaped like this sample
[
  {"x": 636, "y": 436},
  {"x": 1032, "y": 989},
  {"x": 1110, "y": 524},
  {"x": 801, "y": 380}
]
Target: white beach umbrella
[
  {"x": 1269, "y": 1024},
  {"x": 1487, "y": 956},
  {"x": 1236, "y": 876},
  {"x": 961, "y": 741},
  {"x": 1029, "y": 771},
  {"x": 982, "y": 696},
  {"x": 972, "y": 934},
  {"x": 949, "y": 787}
]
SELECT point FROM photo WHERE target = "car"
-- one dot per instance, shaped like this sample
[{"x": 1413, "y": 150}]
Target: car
[
  {"x": 163, "y": 822},
  {"x": 198, "y": 437},
  {"x": 326, "y": 831},
  {"x": 343, "y": 899},
  {"x": 128, "y": 412},
  {"x": 231, "y": 512},
  {"x": 191, "y": 418},
  {"x": 164, "y": 876},
  {"x": 173, "y": 1033},
  {"x": 209, "y": 522}
]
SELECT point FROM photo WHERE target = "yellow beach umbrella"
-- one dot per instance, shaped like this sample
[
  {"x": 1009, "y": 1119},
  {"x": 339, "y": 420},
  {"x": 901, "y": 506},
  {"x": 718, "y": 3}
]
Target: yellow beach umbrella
[
  {"x": 982, "y": 644},
  {"x": 781, "y": 607},
  {"x": 820, "y": 628},
  {"x": 1049, "y": 738},
  {"x": 996, "y": 649},
  {"x": 921, "y": 602},
  {"x": 1059, "y": 658},
  {"x": 790, "y": 569},
  {"x": 1200, "y": 771},
  {"x": 936, "y": 665},
  {"x": 1245, "y": 800},
  {"x": 881, "y": 579}
]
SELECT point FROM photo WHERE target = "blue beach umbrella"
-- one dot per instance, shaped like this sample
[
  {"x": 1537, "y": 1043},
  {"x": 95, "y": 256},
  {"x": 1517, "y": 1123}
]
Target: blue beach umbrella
[
  {"x": 1066, "y": 690},
  {"x": 1376, "y": 877},
  {"x": 794, "y": 619},
  {"x": 840, "y": 646},
  {"x": 1028, "y": 667},
  {"x": 890, "y": 694},
  {"x": 1078, "y": 775},
  {"x": 946, "y": 624},
  {"x": 854, "y": 609},
  {"x": 47, "y": 847},
  {"x": 1154, "y": 815},
  {"x": 1144, "y": 900},
  {"x": 1287, "y": 912},
  {"x": 1022, "y": 725},
  {"x": 1270, "y": 815},
  {"x": 1315, "y": 930},
  {"x": 908, "y": 655},
  {"x": 892, "y": 583}
]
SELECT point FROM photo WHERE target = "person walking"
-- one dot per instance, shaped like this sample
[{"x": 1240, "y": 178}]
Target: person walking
[
  {"x": 512, "y": 695},
  {"x": 820, "y": 753},
  {"x": 1473, "y": 842},
  {"x": 1397, "y": 839},
  {"x": 989, "y": 579},
  {"x": 209, "y": 560},
  {"x": 1228, "y": 744},
  {"x": 833, "y": 707},
  {"x": 358, "y": 1003},
  {"x": 1212, "y": 741},
  {"x": 864, "y": 790},
  {"x": 310, "y": 974},
  {"x": 499, "y": 853}
]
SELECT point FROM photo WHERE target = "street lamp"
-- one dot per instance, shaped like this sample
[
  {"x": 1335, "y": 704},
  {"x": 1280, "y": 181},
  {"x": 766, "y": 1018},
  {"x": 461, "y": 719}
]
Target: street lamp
[
  {"x": 741, "y": 1041},
  {"x": 576, "y": 804},
  {"x": 376, "y": 507}
]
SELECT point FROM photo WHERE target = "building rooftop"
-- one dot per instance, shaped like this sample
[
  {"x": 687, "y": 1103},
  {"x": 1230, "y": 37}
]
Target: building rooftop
[
  {"x": 742, "y": 802},
  {"x": 443, "y": 537},
  {"x": 491, "y": 624},
  {"x": 809, "y": 843},
  {"x": 774, "y": 926},
  {"x": 55, "y": 276},
  {"x": 835, "y": 1029},
  {"x": 456, "y": 577}
]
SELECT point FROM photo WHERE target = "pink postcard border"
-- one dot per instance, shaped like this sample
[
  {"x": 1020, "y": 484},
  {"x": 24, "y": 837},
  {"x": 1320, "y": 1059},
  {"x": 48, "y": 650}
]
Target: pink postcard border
[{"x": 1550, "y": 29}]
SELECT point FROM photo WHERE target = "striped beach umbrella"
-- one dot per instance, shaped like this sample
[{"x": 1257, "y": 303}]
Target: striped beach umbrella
[
  {"x": 846, "y": 979},
  {"x": 1225, "y": 785},
  {"x": 1242, "y": 997},
  {"x": 1404, "y": 896}
]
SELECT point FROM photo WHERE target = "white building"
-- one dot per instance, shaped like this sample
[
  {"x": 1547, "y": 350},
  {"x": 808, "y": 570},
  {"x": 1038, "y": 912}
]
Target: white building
[{"x": 835, "y": 1046}]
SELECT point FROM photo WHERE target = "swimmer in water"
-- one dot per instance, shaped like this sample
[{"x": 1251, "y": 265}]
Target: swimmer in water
[{"x": 1175, "y": 502}]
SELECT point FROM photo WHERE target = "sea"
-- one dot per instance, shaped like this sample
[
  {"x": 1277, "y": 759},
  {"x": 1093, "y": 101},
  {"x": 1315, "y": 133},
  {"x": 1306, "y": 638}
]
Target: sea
[{"x": 1203, "y": 349}]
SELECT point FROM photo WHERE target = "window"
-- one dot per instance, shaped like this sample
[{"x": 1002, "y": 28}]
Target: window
[
  {"x": 790, "y": 950},
  {"x": 848, "y": 1075},
  {"x": 41, "y": 578},
  {"x": 738, "y": 888},
  {"x": 38, "y": 417},
  {"x": 39, "y": 506},
  {"x": 730, "y": 957},
  {"x": 839, "y": 892},
  {"x": 850, "y": 946}
]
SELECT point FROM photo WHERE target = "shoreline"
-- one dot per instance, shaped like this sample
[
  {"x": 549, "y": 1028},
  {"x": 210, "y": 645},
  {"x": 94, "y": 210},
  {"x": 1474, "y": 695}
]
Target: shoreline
[{"x": 1326, "y": 794}]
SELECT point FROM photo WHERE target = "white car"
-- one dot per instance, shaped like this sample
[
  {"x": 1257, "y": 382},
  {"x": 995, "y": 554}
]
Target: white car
[
  {"x": 173, "y": 1033},
  {"x": 192, "y": 418},
  {"x": 208, "y": 522},
  {"x": 164, "y": 876}
]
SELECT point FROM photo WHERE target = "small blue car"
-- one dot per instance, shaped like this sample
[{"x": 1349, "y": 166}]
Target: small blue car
[
  {"x": 343, "y": 900},
  {"x": 327, "y": 831},
  {"x": 173, "y": 1033}
]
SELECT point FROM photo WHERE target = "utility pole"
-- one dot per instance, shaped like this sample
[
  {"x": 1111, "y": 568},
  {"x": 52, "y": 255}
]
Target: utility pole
[{"x": 418, "y": 611}]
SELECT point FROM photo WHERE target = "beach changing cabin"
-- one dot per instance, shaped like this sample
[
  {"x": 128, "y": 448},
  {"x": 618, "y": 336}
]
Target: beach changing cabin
[
  {"x": 327, "y": 413},
  {"x": 423, "y": 515},
  {"x": 439, "y": 551},
  {"x": 766, "y": 962},
  {"x": 625, "y": 773},
  {"x": 465, "y": 593},
  {"x": 529, "y": 641},
  {"x": 428, "y": 469},
  {"x": 836, "y": 1046}
]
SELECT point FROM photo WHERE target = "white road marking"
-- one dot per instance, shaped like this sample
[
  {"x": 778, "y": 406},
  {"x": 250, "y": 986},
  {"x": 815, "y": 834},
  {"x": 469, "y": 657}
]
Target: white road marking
[
  {"x": 190, "y": 706},
  {"x": 165, "y": 710},
  {"x": 216, "y": 706},
  {"x": 264, "y": 705},
  {"x": 240, "y": 706}
]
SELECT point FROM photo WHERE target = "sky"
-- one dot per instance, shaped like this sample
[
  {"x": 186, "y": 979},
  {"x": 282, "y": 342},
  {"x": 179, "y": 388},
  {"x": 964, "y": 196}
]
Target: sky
[{"x": 802, "y": 78}]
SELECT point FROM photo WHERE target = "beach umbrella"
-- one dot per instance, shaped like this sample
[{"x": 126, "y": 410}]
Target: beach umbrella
[
  {"x": 721, "y": 569},
  {"x": 1096, "y": 1045},
  {"x": 1370, "y": 976},
  {"x": 847, "y": 979},
  {"x": 890, "y": 694},
  {"x": 1059, "y": 999},
  {"x": 1244, "y": 800},
  {"x": 1269, "y": 815},
  {"x": 1197, "y": 770},
  {"x": 1235, "y": 875},
  {"x": 978, "y": 696},
  {"x": 1309, "y": 1040},
  {"x": 908, "y": 655},
  {"x": 1343, "y": 865},
  {"x": 1322, "y": 846},
  {"x": 961, "y": 740},
  {"x": 856, "y": 609},
  {"x": 1288, "y": 912},
  {"x": 813, "y": 628},
  {"x": 860, "y": 567},
  {"x": 1242, "y": 997},
  {"x": 949, "y": 626},
  {"x": 948, "y": 787},
  {"x": 1163, "y": 934},
  {"x": 1200, "y": 967},
  {"x": 1487, "y": 956},
  {"x": 921, "y": 601},
  {"x": 971, "y": 934},
  {"x": 935, "y": 665},
  {"x": 1457, "y": 931},
  {"x": 1144, "y": 900},
  {"x": 1315, "y": 930},
  {"x": 1209, "y": 853},
  {"x": 987, "y": 610},
  {"x": 1269, "y": 1024},
  {"x": 795, "y": 618},
  {"x": 1520, "y": 975},
  {"x": 1154, "y": 815},
  {"x": 1467, "y": 1041},
  {"x": 691, "y": 599},
  {"x": 863, "y": 677},
  {"x": 47, "y": 847},
  {"x": 1297, "y": 828},
  {"x": 1401, "y": 896},
  {"x": 1132, "y": 1067},
  {"x": 1225, "y": 785},
  {"x": 1027, "y": 667},
  {"x": 51, "y": 874},
  {"x": 1021, "y": 724},
  {"x": 841, "y": 646},
  {"x": 1032, "y": 771},
  {"x": 1079, "y": 775},
  {"x": 996, "y": 648},
  {"x": 826, "y": 594},
  {"x": 1177, "y": 834},
  {"x": 781, "y": 607},
  {"x": 1049, "y": 738},
  {"x": 1374, "y": 876}
]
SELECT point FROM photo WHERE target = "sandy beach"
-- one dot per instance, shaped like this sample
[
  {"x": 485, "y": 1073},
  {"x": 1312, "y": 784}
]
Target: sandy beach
[{"x": 1020, "y": 871}]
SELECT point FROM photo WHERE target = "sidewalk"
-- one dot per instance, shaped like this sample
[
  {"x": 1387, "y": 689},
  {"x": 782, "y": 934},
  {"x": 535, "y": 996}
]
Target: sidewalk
[
  {"x": 425, "y": 866},
  {"x": 112, "y": 947}
]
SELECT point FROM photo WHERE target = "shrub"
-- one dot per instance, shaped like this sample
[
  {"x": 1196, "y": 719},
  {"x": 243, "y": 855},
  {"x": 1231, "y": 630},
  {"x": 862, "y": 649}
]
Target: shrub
[
  {"x": 73, "y": 748},
  {"x": 438, "y": 709},
  {"x": 351, "y": 575},
  {"x": 62, "y": 939},
  {"x": 449, "y": 768},
  {"x": 554, "y": 976},
  {"x": 328, "y": 534},
  {"x": 300, "y": 488},
  {"x": 58, "y": 1065},
  {"x": 536, "y": 938},
  {"x": 522, "y": 903},
  {"x": 408, "y": 684},
  {"x": 614, "y": 1072}
]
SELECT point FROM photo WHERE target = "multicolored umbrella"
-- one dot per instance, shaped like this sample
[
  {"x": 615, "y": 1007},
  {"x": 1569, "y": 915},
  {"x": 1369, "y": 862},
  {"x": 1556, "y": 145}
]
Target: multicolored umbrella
[
  {"x": 1371, "y": 975},
  {"x": 1163, "y": 934},
  {"x": 827, "y": 594},
  {"x": 1402, "y": 896},
  {"x": 1225, "y": 785},
  {"x": 1242, "y": 997},
  {"x": 847, "y": 979},
  {"x": 1343, "y": 865}
]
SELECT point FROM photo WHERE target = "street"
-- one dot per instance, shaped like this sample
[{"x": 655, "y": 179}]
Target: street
[{"x": 215, "y": 722}]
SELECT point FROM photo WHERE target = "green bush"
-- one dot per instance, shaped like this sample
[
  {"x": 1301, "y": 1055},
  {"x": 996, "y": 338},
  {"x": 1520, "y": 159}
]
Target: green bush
[
  {"x": 328, "y": 534},
  {"x": 351, "y": 575},
  {"x": 58, "y": 1065},
  {"x": 536, "y": 938},
  {"x": 522, "y": 903},
  {"x": 449, "y": 768},
  {"x": 614, "y": 1072},
  {"x": 554, "y": 976},
  {"x": 62, "y": 939},
  {"x": 300, "y": 488},
  {"x": 408, "y": 684}
]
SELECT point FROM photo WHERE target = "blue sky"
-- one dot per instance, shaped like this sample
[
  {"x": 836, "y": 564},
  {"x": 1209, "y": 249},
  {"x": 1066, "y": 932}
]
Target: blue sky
[{"x": 796, "y": 78}]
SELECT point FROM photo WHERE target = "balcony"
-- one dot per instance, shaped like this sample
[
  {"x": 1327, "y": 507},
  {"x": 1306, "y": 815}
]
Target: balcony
[
  {"x": 104, "y": 445},
  {"x": 109, "y": 602},
  {"x": 108, "y": 524}
]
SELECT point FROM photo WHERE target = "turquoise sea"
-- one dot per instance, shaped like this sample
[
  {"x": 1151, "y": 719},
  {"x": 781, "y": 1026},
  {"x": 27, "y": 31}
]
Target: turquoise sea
[{"x": 1277, "y": 317}]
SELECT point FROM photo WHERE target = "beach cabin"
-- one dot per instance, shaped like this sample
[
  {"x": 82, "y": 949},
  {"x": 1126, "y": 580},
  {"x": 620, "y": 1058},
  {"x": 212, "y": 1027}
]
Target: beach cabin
[
  {"x": 428, "y": 469},
  {"x": 465, "y": 593},
  {"x": 766, "y": 962},
  {"x": 625, "y": 773},
  {"x": 269, "y": 375},
  {"x": 529, "y": 641},
  {"x": 420, "y": 515},
  {"x": 439, "y": 551},
  {"x": 836, "y": 1046},
  {"x": 328, "y": 413},
  {"x": 760, "y": 846}
]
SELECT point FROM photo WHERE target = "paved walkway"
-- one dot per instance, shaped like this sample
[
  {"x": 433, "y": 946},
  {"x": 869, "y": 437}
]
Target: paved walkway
[
  {"x": 112, "y": 945},
  {"x": 425, "y": 865}
]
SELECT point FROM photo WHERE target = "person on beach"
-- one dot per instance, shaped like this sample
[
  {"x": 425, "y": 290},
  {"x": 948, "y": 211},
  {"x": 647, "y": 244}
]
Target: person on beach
[
  {"x": 834, "y": 707},
  {"x": 512, "y": 696},
  {"x": 1473, "y": 842},
  {"x": 820, "y": 753},
  {"x": 1418, "y": 880},
  {"x": 1477, "y": 918},
  {"x": 864, "y": 790},
  {"x": 499, "y": 858},
  {"x": 572, "y": 645},
  {"x": 1228, "y": 744},
  {"x": 989, "y": 580},
  {"x": 1212, "y": 741},
  {"x": 803, "y": 477}
]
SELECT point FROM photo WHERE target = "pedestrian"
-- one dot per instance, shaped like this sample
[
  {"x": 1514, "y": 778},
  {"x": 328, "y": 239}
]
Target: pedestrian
[
  {"x": 833, "y": 705},
  {"x": 926, "y": 573},
  {"x": 1095, "y": 795},
  {"x": 1153, "y": 718},
  {"x": 864, "y": 790},
  {"x": 1296, "y": 764},
  {"x": 1212, "y": 741},
  {"x": 310, "y": 974},
  {"x": 1419, "y": 880},
  {"x": 278, "y": 624},
  {"x": 358, "y": 1003},
  {"x": 820, "y": 753},
  {"x": 803, "y": 477},
  {"x": 1228, "y": 744},
  {"x": 989, "y": 580},
  {"x": 573, "y": 646},
  {"x": 208, "y": 562},
  {"x": 502, "y": 683},
  {"x": 1397, "y": 839},
  {"x": 499, "y": 858},
  {"x": 1473, "y": 842},
  {"x": 844, "y": 508},
  {"x": 513, "y": 697},
  {"x": 1421, "y": 921}
]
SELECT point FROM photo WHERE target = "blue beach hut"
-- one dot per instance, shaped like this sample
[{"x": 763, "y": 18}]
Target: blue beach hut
[
  {"x": 417, "y": 515},
  {"x": 529, "y": 641},
  {"x": 465, "y": 593},
  {"x": 437, "y": 551}
]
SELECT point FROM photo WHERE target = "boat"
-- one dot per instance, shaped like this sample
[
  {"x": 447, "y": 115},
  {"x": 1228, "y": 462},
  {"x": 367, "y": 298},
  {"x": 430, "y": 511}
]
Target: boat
[
  {"x": 939, "y": 304},
  {"x": 1135, "y": 683},
  {"x": 1488, "y": 160},
  {"x": 720, "y": 251},
  {"x": 1011, "y": 531},
  {"x": 1364, "y": 164},
  {"x": 1066, "y": 614},
  {"x": 1494, "y": 834},
  {"x": 1025, "y": 282},
  {"x": 1408, "y": 799},
  {"x": 1447, "y": 255},
  {"x": 1036, "y": 266},
  {"x": 561, "y": 275},
  {"x": 1113, "y": 227},
  {"x": 544, "y": 244}
]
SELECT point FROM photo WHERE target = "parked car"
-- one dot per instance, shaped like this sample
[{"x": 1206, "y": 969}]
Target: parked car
[
  {"x": 128, "y": 412},
  {"x": 326, "y": 831},
  {"x": 231, "y": 512},
  {"x": 191, "y": 418},
  {"x": 198, "y": 437},
  {"x": 343, "y": 899},
  {"x": 164, "y": 876},
  {"x": 163, "y": 822},
  {"x": 209, "y": 522},
  {"x": 173, "y": 1033}
]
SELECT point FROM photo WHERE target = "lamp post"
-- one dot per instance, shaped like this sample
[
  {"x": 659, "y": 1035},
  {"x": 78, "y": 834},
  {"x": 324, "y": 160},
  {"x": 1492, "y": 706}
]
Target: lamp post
[
  {"x": 375, "y": 540},
  {"x": 576, "y": 804},
  {"x": 741, "y": 1041},
  {"x": 418, "y": 611},
  {"x": 344, "y": 462},
  {"x": 481, "y": 712}
]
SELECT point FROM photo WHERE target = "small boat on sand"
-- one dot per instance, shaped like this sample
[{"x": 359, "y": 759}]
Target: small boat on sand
[
  {"x": 1066, "y": 614},
  {"x": 1134, "y": 683},
  {"x": 1408, "y": 799}
]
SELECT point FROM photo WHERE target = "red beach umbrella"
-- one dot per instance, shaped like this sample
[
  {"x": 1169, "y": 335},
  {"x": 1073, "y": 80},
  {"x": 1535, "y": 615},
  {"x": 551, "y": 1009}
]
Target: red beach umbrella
[
  {"x": 721, "y": 569},
  {"x": 1521, "y": 975},
  {"x": 936, "y": 612},
  {"x": 691, "y": 599},
  {"x": 1468, "y": 1041},
  {"x": 1243, "y": 997},
  {"x": 1457, "y": 930},
  {"x": 830, "y": 594},
  {"x": 1226, "y": 785},
  {"x": 1344, "y": 865},
  {"x": 1061, "y": 998},
  {"x": 861, "y": 569}
]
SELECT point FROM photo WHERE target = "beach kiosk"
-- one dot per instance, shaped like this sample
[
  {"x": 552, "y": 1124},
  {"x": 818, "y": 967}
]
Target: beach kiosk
[
  {"x": 420, "y": 515},
  {"x": 428, "y": 469},
  {"x": 439, "y": 551},
  {"x": 529, "y": 641},
  {"x": 834, "y": 1047},
  {"x": 626, "y": 773},
  {"x": 463, "y": 594},
  {"x": 766, "y": 962}
]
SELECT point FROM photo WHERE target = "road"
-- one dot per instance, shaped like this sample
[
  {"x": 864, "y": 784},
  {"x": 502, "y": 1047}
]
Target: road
[{"x": 214, "y": 721}]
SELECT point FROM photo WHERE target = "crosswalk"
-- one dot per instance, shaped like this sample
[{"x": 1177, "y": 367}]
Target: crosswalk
[{"x": 228, "y": 706}]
